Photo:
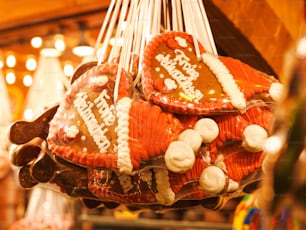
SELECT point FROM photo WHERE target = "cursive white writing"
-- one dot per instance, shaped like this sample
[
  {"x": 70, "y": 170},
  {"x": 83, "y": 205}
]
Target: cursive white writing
[
  {"x": 96, "y": 130},
  {"x": 185, "y": 81},
  {"x": 105, "y": 110}
]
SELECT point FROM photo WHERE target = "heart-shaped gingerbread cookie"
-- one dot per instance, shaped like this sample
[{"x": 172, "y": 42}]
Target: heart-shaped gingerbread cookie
[
  {"x": 92, "y": 130},
  {"x": 175, "y": 79}
]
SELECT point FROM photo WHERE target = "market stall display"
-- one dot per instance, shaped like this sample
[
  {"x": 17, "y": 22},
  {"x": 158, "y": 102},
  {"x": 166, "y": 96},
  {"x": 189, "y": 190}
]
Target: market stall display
[{"x": 162, "y": 122}]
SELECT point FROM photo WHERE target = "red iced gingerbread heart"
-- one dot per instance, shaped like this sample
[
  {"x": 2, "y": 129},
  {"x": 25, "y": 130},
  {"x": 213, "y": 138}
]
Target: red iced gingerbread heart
[
  {"x": 92, "y": 130},
  {"x": 175, "y": 79},
  {"x": 85, "y": 123}
]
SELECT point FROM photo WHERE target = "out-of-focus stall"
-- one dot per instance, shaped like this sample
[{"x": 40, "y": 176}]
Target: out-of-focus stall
[{"x": 261, "y": 34}]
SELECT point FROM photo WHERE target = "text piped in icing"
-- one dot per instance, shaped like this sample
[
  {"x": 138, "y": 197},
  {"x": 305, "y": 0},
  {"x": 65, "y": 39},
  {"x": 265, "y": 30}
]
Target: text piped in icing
[
  {"x": 185, "y": 81},
  {"x": 96, "y": 129}
]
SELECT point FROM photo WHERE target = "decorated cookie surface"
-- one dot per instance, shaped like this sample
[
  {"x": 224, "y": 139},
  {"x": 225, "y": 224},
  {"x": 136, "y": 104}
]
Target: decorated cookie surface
[
  {"x": 194, "y": 137},
  {"x": 174, "y": 78},
  {"x": 92, "y": 130},
  {"x": 84, "y": 128}
]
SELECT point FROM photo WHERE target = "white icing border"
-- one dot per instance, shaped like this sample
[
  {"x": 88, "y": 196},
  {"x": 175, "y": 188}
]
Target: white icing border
[
  {"x": 226, "y": 79},
  {"x": 124, "y": 163},
  {"x": 165, "y": 194}
]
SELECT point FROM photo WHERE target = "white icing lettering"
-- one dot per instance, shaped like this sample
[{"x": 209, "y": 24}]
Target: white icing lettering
[
  {"x": 104, "y": 109},
  {"x": 185, "y": 82},
  {"x": 96, "y": 130}
]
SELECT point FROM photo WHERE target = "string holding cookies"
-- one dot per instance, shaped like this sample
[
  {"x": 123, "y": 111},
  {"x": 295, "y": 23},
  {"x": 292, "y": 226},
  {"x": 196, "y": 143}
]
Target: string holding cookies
[{"x": 161, "y": 121}]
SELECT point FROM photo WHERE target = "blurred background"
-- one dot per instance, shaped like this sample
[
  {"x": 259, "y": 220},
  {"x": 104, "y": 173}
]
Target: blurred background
[{"x": 258, "y": 33}]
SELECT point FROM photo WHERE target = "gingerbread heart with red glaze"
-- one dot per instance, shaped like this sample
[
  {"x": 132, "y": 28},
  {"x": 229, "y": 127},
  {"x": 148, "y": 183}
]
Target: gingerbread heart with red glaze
[
  {"x": 91, "y": 129},
  {"x": 84, "y": 125},
  {"x": 175, "y": 79}
]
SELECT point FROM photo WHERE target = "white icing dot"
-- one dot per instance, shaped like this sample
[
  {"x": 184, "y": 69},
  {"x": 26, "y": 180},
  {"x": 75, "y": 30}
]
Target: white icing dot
[
  {"x": 253, "y": 138},
  {"x": 101, "y": 80},
  {"x": 170, "y": 84},
  {"x": 83, "y": 138},
  {"x": 191, "y": 137},
  {"x": 181, "y": 41},
  {"x": 84, "y": 150},
  {"x": 207, "y": 128},
  {"x": 179, "y": 157},
  {"x": 72, "y": 131},
  {"x": 71, "y": 116},
  {"x": 276, "y": 91},
  {"x": 212, "y": 180},
  {"x": 157, "y": 69}
]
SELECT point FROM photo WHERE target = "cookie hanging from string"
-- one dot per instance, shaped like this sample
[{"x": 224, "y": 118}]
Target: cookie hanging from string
[{"x": 126, "y": 123}]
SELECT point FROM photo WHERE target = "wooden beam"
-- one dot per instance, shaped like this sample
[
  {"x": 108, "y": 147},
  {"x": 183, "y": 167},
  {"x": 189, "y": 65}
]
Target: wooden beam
[
  {"x": 231, "y": 42},
  {"x": 17, "y": 13},
  {"x": 258, "y": 32}
]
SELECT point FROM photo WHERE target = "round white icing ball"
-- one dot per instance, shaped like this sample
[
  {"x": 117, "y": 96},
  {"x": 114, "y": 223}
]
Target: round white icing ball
[
  {"x": 276, "y": 91},
  {"x": 191, "y": 137},
  {"x": 101, "y": 80},
  {"x": 212, "y": 180},
  {"x": 253, "y": 138},
  {"x": 232, "y": 186},
  {"x": 207, "y": 128},
  {"x": 179, "y": 157}
]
